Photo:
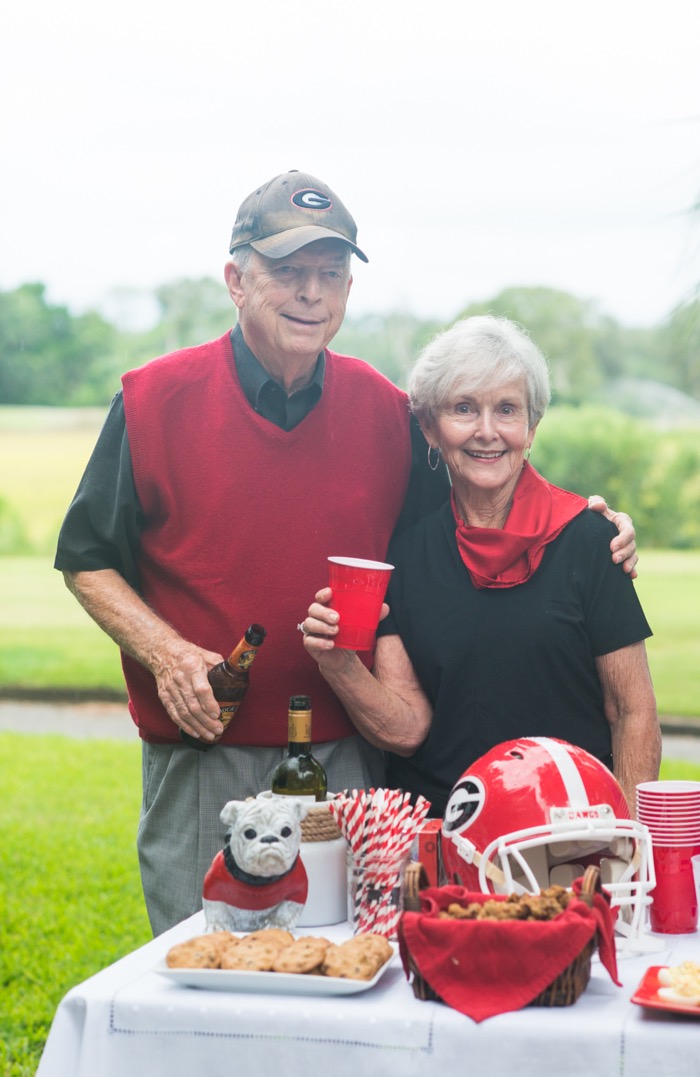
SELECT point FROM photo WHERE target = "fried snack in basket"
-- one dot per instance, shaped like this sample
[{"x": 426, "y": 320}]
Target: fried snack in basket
[
  {"x": 490, "y": 966},
  {"x": 543, "y": 906}
]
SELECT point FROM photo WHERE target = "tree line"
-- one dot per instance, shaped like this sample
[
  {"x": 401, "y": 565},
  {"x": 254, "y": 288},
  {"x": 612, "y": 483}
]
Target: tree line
[
  {"x": 624, "y": 418},
  {"x": 49, "y": 356}
]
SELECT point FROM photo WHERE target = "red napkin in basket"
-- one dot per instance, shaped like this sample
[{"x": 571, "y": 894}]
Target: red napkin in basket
[{"x": 486, "y": 967}]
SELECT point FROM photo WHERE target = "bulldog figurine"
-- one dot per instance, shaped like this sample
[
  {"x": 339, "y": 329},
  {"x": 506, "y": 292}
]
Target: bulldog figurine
[{"x": 258, "y": 879}]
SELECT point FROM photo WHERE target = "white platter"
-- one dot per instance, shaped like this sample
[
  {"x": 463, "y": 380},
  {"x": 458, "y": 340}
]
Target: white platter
[{"x": 269, "y": 983}]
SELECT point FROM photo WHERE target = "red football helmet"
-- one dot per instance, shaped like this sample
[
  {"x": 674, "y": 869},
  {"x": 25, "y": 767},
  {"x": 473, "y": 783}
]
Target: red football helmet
[{"x": 536, "y": 811}]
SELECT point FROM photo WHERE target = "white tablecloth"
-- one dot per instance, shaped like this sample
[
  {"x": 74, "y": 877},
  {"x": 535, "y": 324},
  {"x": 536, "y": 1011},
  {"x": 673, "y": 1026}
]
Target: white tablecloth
[{"x": 128, "y": 1020}]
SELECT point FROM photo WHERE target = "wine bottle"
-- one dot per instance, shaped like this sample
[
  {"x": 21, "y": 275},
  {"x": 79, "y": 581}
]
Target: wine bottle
[
  {"x": 300, "y": 775},
  {"x": 229, "y": 682}
]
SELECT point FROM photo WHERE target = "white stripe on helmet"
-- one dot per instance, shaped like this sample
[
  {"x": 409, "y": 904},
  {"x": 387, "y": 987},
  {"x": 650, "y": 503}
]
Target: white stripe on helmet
[{"x": 570, "y": 775}]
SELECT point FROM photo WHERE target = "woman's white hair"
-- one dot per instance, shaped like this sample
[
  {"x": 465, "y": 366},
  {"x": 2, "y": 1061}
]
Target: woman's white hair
[{"x": 475, "y": 353}]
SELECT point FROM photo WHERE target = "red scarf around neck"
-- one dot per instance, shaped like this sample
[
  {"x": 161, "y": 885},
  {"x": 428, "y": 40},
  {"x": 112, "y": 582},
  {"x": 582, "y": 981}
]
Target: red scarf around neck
[{"x": 505, "y": 557}]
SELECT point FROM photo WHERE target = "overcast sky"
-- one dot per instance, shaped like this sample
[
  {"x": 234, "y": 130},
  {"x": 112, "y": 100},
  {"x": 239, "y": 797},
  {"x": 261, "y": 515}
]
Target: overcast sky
[{"x": 478, "y": 145}]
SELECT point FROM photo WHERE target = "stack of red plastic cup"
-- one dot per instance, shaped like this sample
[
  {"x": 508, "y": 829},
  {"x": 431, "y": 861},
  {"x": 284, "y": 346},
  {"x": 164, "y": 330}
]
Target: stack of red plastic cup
[{"x": 671, "y": 811}]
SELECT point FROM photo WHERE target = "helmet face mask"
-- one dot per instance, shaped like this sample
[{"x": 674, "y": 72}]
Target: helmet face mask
[{"x": 535, "y": 812}]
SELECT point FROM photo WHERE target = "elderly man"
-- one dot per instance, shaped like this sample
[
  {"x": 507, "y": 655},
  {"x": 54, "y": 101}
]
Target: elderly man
[{"x": 223, "y": 478}]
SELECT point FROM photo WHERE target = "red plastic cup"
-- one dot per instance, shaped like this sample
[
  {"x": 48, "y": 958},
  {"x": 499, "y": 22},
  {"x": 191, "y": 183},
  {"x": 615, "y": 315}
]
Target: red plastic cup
[
  {"x": 358, "y": 592},
  {"x": 674, "y": 907},
  {"x": 663, "y": 787}
]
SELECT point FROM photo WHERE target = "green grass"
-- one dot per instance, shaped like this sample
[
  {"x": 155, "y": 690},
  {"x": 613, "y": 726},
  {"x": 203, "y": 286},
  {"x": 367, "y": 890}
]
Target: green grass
[
  {"x": 46, "y": 638},
  {"x": 669, "y": 589},
  {"x": 70, "y": 892},
  {"x": 44, "y": 452},
  {"x": 679, "y": 770}
]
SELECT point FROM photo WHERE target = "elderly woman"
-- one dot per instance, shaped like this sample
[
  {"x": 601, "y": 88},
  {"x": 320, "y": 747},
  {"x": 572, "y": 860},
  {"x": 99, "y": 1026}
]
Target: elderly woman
[{"x": 506, "y": 617}]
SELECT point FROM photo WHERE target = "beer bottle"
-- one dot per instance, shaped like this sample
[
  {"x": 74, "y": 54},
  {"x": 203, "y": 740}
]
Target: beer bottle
[
  {"x": 300, "y": 775},
  {"x": 229, "y": 682}
]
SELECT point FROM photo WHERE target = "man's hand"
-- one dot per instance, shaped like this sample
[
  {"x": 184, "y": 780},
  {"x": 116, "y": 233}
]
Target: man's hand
[
  {"x": 623, "y": 546},
  {"x": 180, "y": 670}
]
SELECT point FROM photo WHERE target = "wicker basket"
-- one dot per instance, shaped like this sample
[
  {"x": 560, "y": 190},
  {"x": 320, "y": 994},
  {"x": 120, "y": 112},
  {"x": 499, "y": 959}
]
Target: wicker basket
[
  {"x": 569, "y": 984},
  {"x": 319, "y": 825}
]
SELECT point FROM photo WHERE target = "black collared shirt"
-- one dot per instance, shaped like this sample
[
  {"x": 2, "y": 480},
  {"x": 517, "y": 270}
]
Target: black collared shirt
[
  {"x": 267, "y": 396},
  {"x": 103, "y": 525}
]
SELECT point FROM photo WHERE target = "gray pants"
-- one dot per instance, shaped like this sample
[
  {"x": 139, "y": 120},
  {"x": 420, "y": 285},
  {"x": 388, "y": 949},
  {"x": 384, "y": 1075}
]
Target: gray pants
[{"x": 183, "y": 793}]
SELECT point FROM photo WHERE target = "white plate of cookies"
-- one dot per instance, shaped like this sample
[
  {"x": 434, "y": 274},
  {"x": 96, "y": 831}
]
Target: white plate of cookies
[{"x": 273, "y": 961}]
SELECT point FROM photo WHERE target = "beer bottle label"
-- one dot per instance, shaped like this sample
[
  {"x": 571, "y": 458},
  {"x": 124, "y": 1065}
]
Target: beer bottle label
[{"x": 227, "y": 711}]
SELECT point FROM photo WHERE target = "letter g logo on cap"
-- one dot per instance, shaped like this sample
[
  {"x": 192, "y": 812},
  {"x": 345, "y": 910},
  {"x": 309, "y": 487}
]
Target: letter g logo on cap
[{"x": 310, "y": 199}]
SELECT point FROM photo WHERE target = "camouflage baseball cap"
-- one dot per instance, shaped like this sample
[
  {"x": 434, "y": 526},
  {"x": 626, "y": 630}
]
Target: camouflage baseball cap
[{"x": 293, "y": 209}]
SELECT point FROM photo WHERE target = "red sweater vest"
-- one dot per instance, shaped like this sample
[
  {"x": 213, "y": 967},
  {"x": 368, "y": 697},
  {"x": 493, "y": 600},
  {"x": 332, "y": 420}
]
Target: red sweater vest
[{"x": 240, "y": 517}]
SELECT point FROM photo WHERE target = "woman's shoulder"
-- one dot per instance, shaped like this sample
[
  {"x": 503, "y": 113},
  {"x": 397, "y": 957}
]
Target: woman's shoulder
[
  {"x": 585, "y": 541},
  {"x": 423, "y": 533},
  {"x": 591, "y": 523}
]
